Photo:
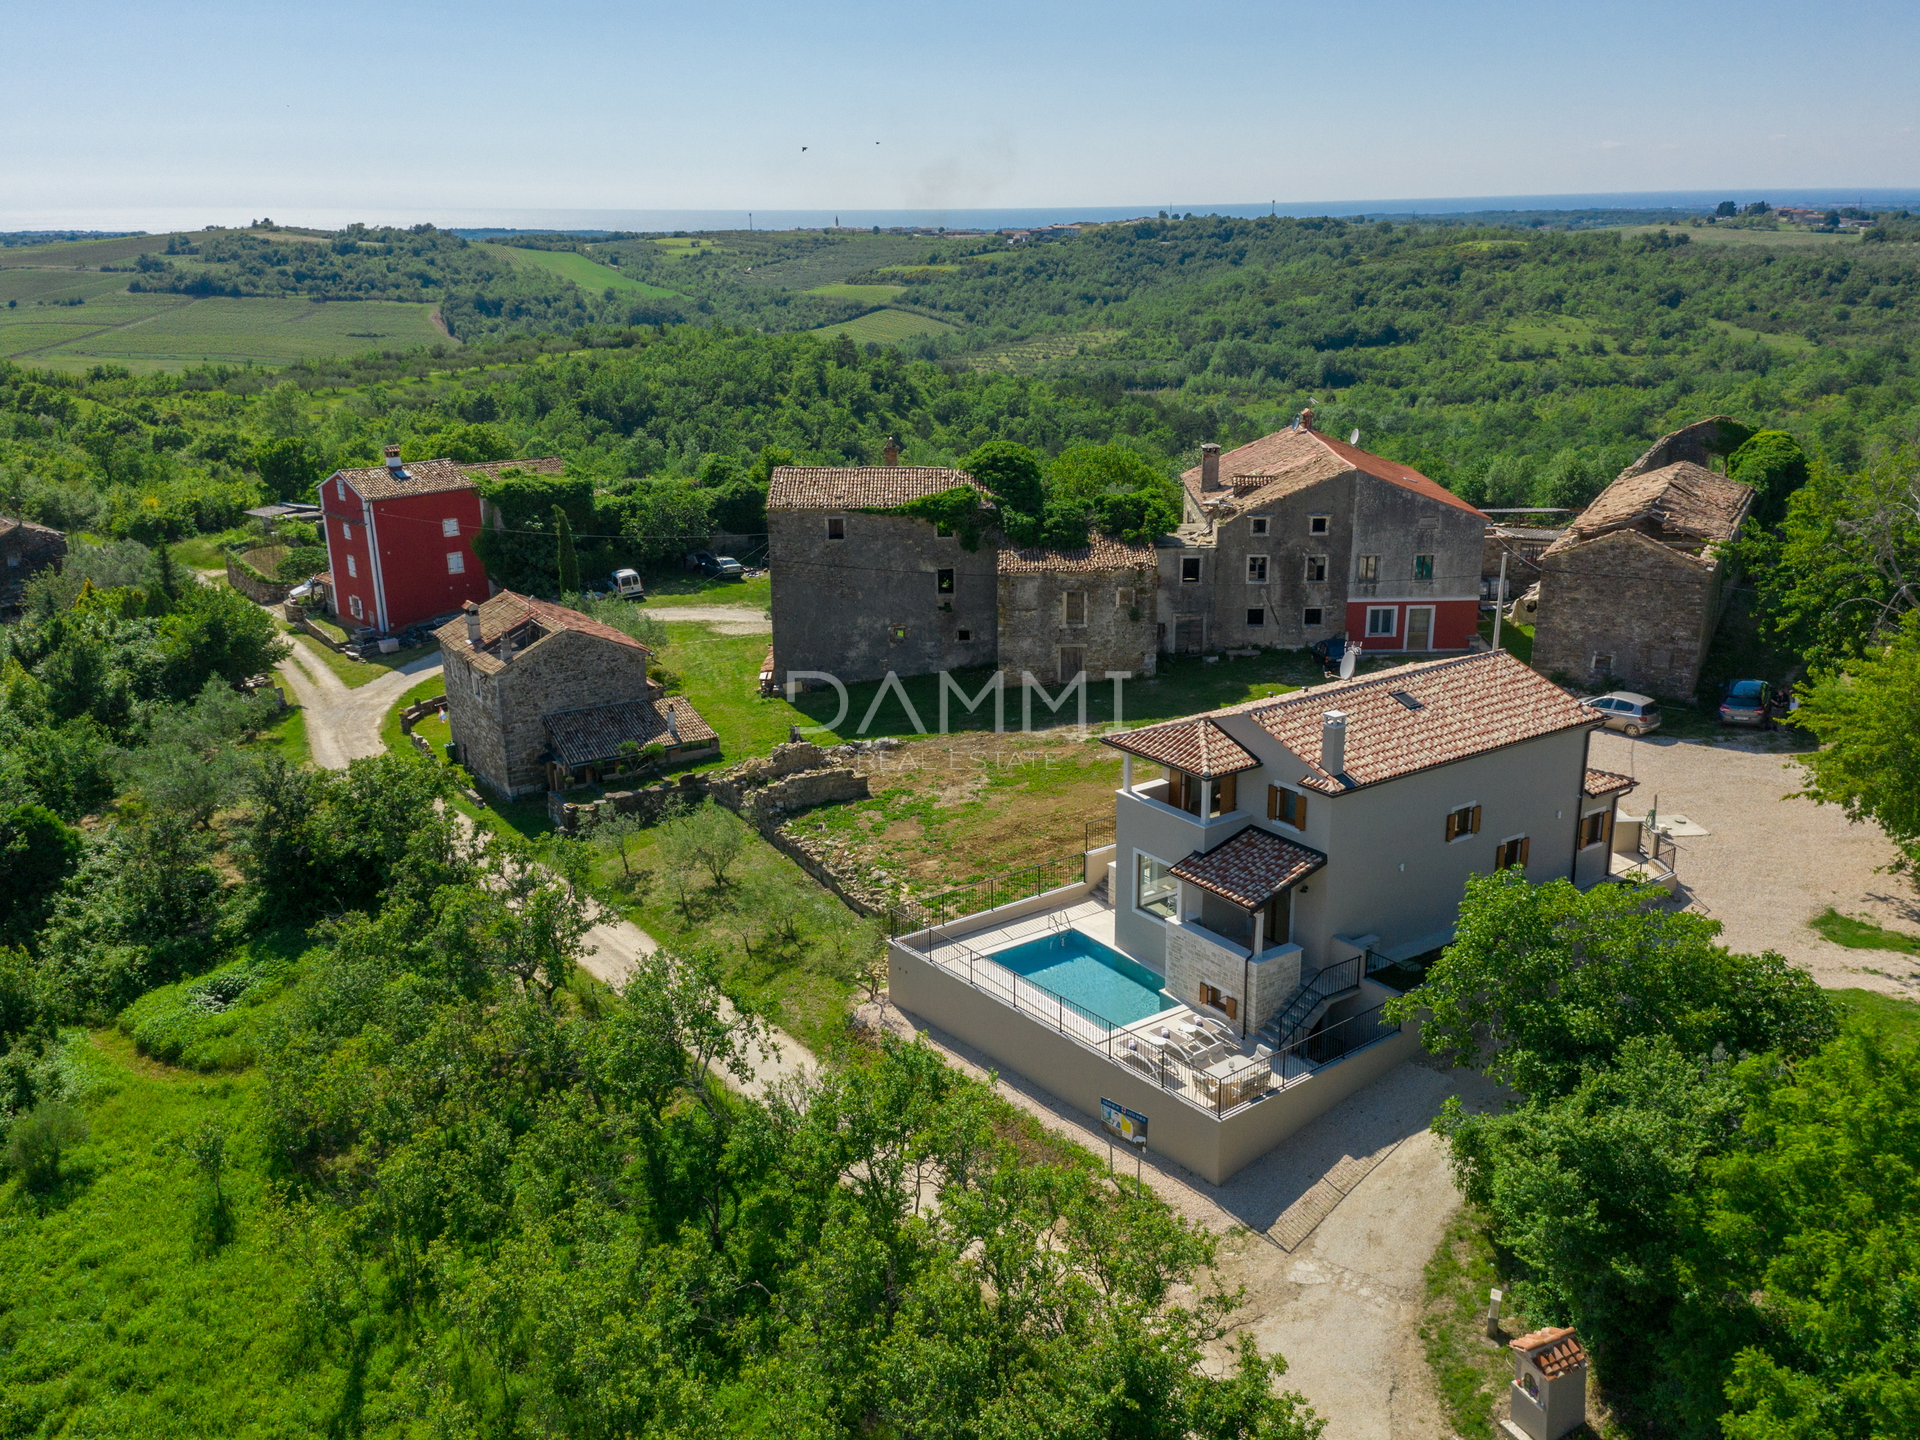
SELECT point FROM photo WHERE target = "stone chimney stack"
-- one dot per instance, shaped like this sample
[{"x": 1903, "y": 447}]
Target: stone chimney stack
[
  {"x": 472, "y": 612},
  {"x": 1306, "y": 418},
  {"x": 393, "y": 457},
  {"x": 891, "y": 454},
  {"x": 1333, "y": 743},
  {"x": 673, "y": 723},
  {"x": 1209, "y": 467}
]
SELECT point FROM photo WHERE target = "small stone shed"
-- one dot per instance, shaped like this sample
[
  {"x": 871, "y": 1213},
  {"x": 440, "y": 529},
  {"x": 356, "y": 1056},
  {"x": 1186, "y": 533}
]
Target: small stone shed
[
  {"x": 1068, "y": 612},
  {"x": 25, "y": 550},
  {"x": 541, "y": 697},
  {"x": 1632, "y": 593}
]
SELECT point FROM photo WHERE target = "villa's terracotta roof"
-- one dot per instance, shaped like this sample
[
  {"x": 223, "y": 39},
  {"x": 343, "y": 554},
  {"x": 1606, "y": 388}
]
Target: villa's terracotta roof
[
  {"x": 1251, "y": 868},
  {"x": 507, "y": 611},
  {"x": 859, "y": 487},
  {"x": 595, "y": 733},
  {"x": 1197, "y": 746},
  {"x": 1555, "y": 1350},
  {"x": 427, "y": 477},
  {"x": 1605, "y": 782},
  {"x": 1288, "y": 460},
  {"x": 1101, "y": 554},
  {"x": 1463, "y": 706}
]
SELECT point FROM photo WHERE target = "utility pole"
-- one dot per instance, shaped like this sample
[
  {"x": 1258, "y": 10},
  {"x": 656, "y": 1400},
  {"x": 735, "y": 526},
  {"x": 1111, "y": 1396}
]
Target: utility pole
[{"x": 1500, "y": 598}]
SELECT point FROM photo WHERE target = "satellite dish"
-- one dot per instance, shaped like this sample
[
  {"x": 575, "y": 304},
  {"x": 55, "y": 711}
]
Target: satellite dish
[
  {"x": 1354, "y": 438},
  {"x": 1349, "y": 657}
]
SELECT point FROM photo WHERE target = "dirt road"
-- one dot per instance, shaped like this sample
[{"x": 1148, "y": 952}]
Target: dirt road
[
  {"x": 725, "y": 619},
  {"x": 343, "y": 723}
]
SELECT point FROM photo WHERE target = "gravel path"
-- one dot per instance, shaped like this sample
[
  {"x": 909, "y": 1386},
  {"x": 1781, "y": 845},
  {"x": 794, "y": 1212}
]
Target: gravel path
[
  {"x": 1769, "y": 864},
  {"x": 343, "y": 723},
  {"x": 727, "y": 619}
]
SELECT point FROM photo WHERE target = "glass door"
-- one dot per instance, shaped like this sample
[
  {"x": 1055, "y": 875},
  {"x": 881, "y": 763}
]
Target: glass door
[{"x": 1419, "y": 627}]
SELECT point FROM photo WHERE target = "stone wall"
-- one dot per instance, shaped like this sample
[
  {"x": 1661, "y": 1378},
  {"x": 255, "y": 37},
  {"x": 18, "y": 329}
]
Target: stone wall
[
  {"x": 1120, "y": 632},
  {"x": 1647, "y": 611},
  {"x": 261, "y": 592},
  {"x": 1261, "y": 987}
]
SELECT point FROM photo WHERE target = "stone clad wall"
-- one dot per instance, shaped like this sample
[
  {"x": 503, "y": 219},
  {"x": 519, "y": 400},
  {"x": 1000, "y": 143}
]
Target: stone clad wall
[
  {"x": 1261, "y": 987},
  {"x": 1119, "y": 637},
  {"x": 1626, "y": 595}
]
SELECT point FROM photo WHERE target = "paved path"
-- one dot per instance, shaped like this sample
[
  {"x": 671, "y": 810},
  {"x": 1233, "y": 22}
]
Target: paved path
[
  {"x": 343, "y": 723},
  {"x": 1768, "y": 864}
]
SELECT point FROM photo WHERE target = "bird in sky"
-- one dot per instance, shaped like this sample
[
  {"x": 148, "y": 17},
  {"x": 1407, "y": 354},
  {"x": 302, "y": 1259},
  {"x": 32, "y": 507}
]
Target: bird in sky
[{"x": 803, "y": 149}]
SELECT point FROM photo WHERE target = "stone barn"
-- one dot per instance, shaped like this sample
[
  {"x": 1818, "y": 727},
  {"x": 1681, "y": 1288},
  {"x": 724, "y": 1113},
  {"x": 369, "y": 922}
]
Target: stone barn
[
  {"x": 25, "y": 549},
  {"x": 1067, "y": 612}
]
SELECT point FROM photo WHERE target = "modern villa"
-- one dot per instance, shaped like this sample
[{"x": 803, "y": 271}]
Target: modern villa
[{"x": 1211, "y": 972}]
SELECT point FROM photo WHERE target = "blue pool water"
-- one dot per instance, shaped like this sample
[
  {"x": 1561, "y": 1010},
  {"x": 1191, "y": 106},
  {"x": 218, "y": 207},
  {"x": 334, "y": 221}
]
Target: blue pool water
[{"x": 1089, "y": 974}]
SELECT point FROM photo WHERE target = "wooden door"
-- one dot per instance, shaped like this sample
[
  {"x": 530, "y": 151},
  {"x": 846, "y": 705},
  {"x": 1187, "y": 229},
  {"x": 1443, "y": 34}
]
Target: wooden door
[{"x": 1189, "y": 635}]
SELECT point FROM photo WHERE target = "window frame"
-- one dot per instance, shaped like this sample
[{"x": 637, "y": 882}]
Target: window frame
[
  {"x": 346, "y": 530},
  {"x": 1600, "y": 823},
  {"x": 354, "y": 607},
  {"x": 450, "y": 527},
  {"x": 1456, "y": 828},
  {"x": 943, "y": 580},
  {"x": 1319, "y": 524},
  {"x": 456, "y": 562},
  {"x": 1257, "y": 567},
  {"x": 1065, "y": 676},
  {"x": 1427, "y": 566},
  {"x": 1214, "y": 998},
  {"x": 1315, "y": 570},
  {"x": 1313, "y": 615},
  {"x": 1259, "y": 524},
  {"x": 836, "y": 527},
  {"x": 1288, "y": 807},
  {"x": 1189, "y": 562},
  {"x": 1067, "y": 599},
  {"x": 1505, "y": 857},
  {"x": 1256, "y": 617},
  {"x": 1392, "y": 632},
  {"x": 353, "y": 569},
  {"x": 1141, "y": 859},
  {"x": 1367, "y": 569},
  {"x": 964, "y": 637}
]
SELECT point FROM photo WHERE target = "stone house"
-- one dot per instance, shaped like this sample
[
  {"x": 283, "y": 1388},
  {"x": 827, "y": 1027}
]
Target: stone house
[
  {"x": 1287, "y": 836},
  {"x": 540, "y": 697},
  {"x": 1069, "y": 612},
  {"x": 1634, "y": 590},
  {"x": 1298, "y": 537},
  {"x": 25, "y": 549}
]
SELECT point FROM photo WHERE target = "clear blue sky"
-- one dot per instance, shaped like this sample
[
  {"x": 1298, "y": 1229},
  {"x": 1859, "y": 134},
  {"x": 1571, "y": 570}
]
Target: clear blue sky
[{"x": 225, "y": 110}]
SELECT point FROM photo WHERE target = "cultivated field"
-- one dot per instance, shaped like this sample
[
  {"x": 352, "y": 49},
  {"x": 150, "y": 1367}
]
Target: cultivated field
[
  {"x": 1027, "y": 355},
  {"x": 884, "y": 327},
  {"x": 588, "y": 274},
  {"x": 1715, "y": 235},
  {"x": 860, "y": 294},
  {"x": 848, "y": 255},
  {"x": 164, "y": 332},
  {"x": 93, "y": 253}
]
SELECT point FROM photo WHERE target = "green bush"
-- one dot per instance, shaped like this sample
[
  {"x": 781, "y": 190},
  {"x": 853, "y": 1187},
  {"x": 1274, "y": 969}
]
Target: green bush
[
  {"x": 300, "y": 564},
  {"x": 210, "y": 1023},
  {"x": 39, "y": 1138}
]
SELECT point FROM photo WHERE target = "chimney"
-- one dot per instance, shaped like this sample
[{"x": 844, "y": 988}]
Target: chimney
[
  {"x": 472, "y": 612},
  {"x": 1209, "y": 467},
  {"x": 393, "y": 458},
  {"x": 673, "y": 724},
  {"x": 891, "y": 454},
  {"x": 505, "y": 651},
  {"x": 1306, "y": 418},
  {"x": 1333, "y": 743}
]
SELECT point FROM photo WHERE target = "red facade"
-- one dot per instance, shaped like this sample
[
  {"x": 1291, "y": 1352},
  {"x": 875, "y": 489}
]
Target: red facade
[
  {"x": 1447, "y": 624},
  {"x": 397, "y": 560}
]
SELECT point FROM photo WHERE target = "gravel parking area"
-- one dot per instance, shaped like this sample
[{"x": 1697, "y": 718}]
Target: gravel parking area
[{"x": 1770, "y": 863}]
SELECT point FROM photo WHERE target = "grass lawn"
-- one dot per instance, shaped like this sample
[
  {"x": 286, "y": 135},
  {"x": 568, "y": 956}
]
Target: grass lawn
[
  {"x": 1517, "y": 640},
  {"x": 1902, "y": 1017},
  {"x": 289, "y": 737},
  {"x": 687, "y": 587},
  {"x": 1861, "y": 934},
  {"x": 588, "y": 274},
  {"x": 886, "y": 327},
  {"x": 208, "y": 552},
  {"x": 355, "y": 673}
]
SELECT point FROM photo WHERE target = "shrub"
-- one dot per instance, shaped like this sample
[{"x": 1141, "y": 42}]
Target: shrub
[{"x": 39, "y": 1138}]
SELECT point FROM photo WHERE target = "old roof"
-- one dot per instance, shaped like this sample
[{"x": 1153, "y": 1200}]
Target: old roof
[
  {"x": 1605, "y": 782},
  {"x": 1101, "y": 554},
  {"x": 1680, "y": 503},
  {"x": 596, "y": 732},
  {"x": 506, "y": 612},
  {"x": 1460, "y": 707},
  {"x": 1197, "y": 746},
  {"x": 1277, "y": 465},
  {"x": 1555, "y": 1350},
  {"x": 27, "y": 527},
  {"x": 859, "y": 487},
  {"x": 427, "y": 477},
  {"x": 1251, "y": 868}
]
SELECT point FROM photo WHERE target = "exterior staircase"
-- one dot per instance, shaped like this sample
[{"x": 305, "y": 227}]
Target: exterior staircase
[{"x": 1295, "y": 1020}]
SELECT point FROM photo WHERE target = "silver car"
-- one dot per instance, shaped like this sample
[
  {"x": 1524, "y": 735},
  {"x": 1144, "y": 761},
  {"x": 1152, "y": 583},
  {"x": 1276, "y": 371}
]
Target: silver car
[{"x": 1624, "y": 710}]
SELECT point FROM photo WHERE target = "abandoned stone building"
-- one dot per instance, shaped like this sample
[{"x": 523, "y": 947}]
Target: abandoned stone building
[
  {"x": 1298, "y": 537},
  {"x": 1632, "y": 593},
  {"x": 25, "y": 550},
  {"x": 1067, "y": 612},
  {"x": 540, "y": 697}
]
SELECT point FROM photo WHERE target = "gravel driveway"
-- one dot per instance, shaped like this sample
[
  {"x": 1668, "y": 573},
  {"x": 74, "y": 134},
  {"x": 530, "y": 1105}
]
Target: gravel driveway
[
  {"x": 1769, "y": 864},
  {"x": 343, "y": 722}
]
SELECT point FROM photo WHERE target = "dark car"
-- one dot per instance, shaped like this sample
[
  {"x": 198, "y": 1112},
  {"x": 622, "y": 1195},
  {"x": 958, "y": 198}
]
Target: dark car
[
  {"x": 723, "y": 566},
  {"x": 1747, "y": 702}
]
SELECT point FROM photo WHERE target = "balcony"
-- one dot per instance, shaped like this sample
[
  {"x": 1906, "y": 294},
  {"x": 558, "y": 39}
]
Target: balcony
[{"x": 1152, "y": 795}]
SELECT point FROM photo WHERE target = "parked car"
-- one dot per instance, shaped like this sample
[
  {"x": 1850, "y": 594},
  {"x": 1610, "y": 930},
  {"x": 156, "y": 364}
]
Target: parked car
[
  {"x": 626, "y": 584},
  {"x": 1747, "y": 702},
  {"x": 723, "y": 566},
  {"x": 1624, "y": 710}
]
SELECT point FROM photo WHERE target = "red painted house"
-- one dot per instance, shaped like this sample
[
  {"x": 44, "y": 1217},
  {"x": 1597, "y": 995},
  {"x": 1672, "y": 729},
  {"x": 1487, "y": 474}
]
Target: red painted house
[{"x": 400, "y": 538}]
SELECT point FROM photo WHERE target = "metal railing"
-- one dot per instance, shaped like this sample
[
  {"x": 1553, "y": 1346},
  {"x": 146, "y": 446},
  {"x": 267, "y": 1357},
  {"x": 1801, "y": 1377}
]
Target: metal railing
[
  {"x": 987, "y": 893},
  {"x": 1341, "y": 975},
  {"x": 1219, "y": 1087}
]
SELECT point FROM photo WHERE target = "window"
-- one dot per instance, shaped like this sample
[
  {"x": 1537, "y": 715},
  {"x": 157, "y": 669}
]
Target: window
[
  {"x": 1257, "y": 524},
  {"x": 456, "y": 563},
  {"x": 346, "y": 530},
  {"x": 1316, "y": 568},
  {"x": 1190, "y": 570},
  {"x": 941, "y": 532},
  {"x": 1073, "y": 607},
  {"x": 1423, "y": 567},
  {"x": 943, "y": 582},
  {"x": 1289, "y": 807},
  {"x": 963, "y": 635},
  {"x": 897, "y": 634},
  {"x": 1312, "y": 615},
  {"x": 1316, "y": 524},
  {"x": 353, "y": 604},
  {"x": 340, "y": 488},
  {"x": 1256, "y": 569},
  {"x": 1594, "y": 829},
  {"x": 353, "y": 570},
  {"x": 1123, "y": 599},
  {"x": 1369, "y": 568},
  {"x": 1155, "y": 890},
  {"x": 1603, "y": 664},
  {"x": 450, "y": 526},
  {"x": 1464, "y": 821},
  {"x": 1382, "y": 620},
  {"x": 1512, "y": 854},
  {"x": 1219, "y": 999},
  {"x": 836, "y": 527},
  {"x": 1183, "y": 792},
  {"x": 13, "y": 562},
  {"x": 1073, "y": 661},
  {"x": 1256, "y": 618}
]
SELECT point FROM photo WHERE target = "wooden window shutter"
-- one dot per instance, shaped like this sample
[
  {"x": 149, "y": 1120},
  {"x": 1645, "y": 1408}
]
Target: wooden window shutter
[
  {"x": 1273, "y": 802},
  {"x": 1226, "y": 791},
  {"x": 1299, "y": 812},
  {"x": 1606, "y": 826},
  {"x": 1522, "y": 860},
  {"x": 1476, "y": 820},
  {"x": 1231, "y": 1006},
  {"x": 1453, "y": 824}
]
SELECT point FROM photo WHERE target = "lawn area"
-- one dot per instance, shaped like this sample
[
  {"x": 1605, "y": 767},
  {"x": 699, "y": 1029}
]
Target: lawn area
[
  {"x": 162, "y": 331},
  {"x": 1727, "y": 235},
  {"x": 689, "y": 587},
  {"x": 1517, "y": 640},
  {"x": 355, "y": 673},
  {"x": 587, "y": 273},
  {"x": 886, "y": 327},
  {"x": 1023, "y": 356},
  {"x": 1902, "y": 1017},
  {"x": 1861, "y": 934},
  {"x": 861, "y": 294},
  {"x": 208, "y": 552},
  {"x": 1780, "y": 340}
]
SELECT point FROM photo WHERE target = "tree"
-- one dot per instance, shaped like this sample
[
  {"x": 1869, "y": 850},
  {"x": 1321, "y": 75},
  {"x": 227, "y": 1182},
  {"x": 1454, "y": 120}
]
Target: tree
[
  {"x": 37, "y": 854},
  {"x": 1773, "y": 463},
  {"x": 290, "y": 467},
  {"x": 1866, "y": 717},
  {"x": 1556, "y": 980},
  {"x": 1011, "y": 474},
  {"x": 38, "y": 1140},
  {"x": 213, "y": 631},
  {"x": 164, "y": 579},
  {"x": 703, "y": 837},
  {"x": 567, "y": 562}
]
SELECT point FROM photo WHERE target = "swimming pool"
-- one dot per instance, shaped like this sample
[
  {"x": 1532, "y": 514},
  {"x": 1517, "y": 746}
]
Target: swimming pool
[{"x": 1094, "y": 977}]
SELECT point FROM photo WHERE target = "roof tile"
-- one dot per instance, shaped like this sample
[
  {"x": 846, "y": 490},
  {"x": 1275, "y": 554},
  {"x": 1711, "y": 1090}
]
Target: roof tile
[
  {"x": 1290, "y": 460},
  {"x": 1251, "y": 868},
  {"x": 596, "y": 732},
  {"x": 1677, "y": 503},
  {"x": 1099, "y": 555},
  {"x": 1605, "y": 782},
  {"x": 428, "y": 477},
  {"x": 1197, "y": 746},
  {"x": 508, "y": 611},
  {"x": 859, "y": 487}
]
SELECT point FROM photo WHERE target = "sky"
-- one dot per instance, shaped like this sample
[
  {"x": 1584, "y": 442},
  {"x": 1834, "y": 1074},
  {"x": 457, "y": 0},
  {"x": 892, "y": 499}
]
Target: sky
[{"x": 123, "y": 115}]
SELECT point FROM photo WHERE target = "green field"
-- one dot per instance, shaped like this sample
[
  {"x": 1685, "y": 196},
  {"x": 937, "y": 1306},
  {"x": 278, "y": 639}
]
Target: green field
[
  {"x": 1717, "y": 235},
  {"x": 149, "y": 332},
  {"x": 83, "y": 253},
  {"x": 31, "y": 286},
  {"x": 1024, "y": 356},
  {"x": 586, "y": 273},
  {"x": 885, "y": 327},
  {"x": 862, "y": 294}
]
